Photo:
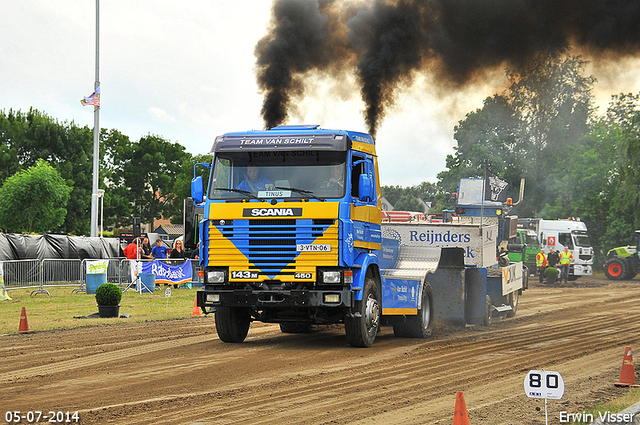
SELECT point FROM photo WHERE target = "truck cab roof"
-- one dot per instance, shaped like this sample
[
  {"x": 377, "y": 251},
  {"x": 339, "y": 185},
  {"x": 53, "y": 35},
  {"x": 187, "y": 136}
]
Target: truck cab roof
[{"x": 292, "y": 137}]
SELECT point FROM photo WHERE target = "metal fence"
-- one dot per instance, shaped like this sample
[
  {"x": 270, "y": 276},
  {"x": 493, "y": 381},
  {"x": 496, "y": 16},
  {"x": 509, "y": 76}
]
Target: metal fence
[{"x": 65, "y": 272}]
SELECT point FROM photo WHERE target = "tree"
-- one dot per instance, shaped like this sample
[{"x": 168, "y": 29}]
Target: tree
[
  {"x": 528, "y": 131},
  {"x": 27, "y": 137},
  {"x": 182, "y": 185},
  {"x": 623, "y": 123},
  {"x": 409, "y": 202},
  {"x": 34, "y": 200},
  {"x": 144, "y": 174}
]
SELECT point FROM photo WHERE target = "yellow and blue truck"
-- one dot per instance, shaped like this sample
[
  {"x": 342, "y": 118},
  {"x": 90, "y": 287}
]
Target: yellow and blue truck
[{"x": 291, "y": 233}]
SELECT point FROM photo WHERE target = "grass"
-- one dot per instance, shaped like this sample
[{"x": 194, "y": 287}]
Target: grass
[
  {"x": 617, "y": 405},
  {"x": 58, "y": 310}
]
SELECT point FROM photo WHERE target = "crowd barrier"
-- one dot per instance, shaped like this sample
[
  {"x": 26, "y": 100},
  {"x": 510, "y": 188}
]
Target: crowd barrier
[{"x": 73, "y": 273}]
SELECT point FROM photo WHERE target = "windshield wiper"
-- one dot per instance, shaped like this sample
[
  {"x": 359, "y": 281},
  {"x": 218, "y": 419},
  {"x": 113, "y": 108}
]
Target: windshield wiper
[
  {"x": 303, "y": 191},
  {"x": 244, "y": 192}
]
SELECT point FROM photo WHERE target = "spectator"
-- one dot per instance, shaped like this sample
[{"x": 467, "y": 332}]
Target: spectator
[
  {"x": 566, "y": 258},
  {"x": 132, "y": 250},
  {"x": 541, "y": 263},
  {"x": 146, "y": 250},
  {"x": 159, "y": 251},
  {"x": 177, "y": 251},
  {"x": 195, "y": 255}
]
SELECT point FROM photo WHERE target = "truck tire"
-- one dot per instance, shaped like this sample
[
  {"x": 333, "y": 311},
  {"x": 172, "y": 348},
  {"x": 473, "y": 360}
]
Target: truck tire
[
  {"x": 361, "y": 331},
  {"x": 421, "y": 325},
  {"x": 514, "y": 297},
  {"x": 232, "y": 323},
  {"x": 615, "y": 268},
  {"x": 297, "y": 328}
]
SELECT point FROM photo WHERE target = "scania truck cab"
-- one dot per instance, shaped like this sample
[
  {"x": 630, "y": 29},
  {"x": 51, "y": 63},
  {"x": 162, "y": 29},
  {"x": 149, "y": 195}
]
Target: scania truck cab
[{"x": 295, "y": 246}]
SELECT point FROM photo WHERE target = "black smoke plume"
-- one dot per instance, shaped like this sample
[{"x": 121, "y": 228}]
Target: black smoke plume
[{"x": 387, "y": 42}]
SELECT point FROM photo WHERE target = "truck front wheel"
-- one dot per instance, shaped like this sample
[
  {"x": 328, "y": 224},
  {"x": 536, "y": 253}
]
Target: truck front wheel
[
  {"x": 421, "y": 325},
  {"x": 232, "y": 323},
  {"x": 361, "y": 330}
]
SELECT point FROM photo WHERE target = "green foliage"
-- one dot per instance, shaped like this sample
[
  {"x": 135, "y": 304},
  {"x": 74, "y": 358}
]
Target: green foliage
[
  {"x": 409, "y": 202},
  {"x": 544, "y": 128},
  {"x": 408, "y": 199},
  {"x": 27, "y": 137},
  {"x": 551, "y": 272},
  {"x": 108, "y": 294},
  {"x": 182, "y": 185},
  {"x": 141, "y": 178},
  {"x": 34, "y": 200}
]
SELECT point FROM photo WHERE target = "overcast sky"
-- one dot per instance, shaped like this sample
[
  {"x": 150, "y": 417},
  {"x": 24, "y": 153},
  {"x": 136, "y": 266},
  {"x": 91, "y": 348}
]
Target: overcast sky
[{"x": 185, "y": 71}]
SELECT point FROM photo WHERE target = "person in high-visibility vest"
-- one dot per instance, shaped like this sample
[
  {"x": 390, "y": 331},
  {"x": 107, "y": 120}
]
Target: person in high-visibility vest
[
  {"x": 541, "y": 264},
  {"x": 566, "y": 258}
]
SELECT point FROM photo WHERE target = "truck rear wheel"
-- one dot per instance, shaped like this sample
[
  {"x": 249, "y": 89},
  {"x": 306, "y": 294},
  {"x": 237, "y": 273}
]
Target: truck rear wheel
[
  {"x": 361, "y": 331},
  {"x": 421, "y": 325},
  {"x": 615, "y": 268},
  {"x": 514, "y": 297},
  {"x": 232, "y": 323}
]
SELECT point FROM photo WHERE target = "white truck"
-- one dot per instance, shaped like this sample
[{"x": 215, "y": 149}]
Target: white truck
[{"x": 571, "y": 233}]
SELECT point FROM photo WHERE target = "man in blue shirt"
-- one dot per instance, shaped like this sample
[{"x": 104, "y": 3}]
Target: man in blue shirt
[
  {"x": 254, "y": 182},
  {"x": 159, "y": 251}
]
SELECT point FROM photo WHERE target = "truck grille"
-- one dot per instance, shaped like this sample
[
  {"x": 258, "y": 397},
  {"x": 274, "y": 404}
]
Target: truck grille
[{"x": 270, "y": 245}]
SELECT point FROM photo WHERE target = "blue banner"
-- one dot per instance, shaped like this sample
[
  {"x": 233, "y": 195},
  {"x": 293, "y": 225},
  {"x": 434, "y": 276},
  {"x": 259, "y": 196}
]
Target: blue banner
[{"x": 167, "y": 274}]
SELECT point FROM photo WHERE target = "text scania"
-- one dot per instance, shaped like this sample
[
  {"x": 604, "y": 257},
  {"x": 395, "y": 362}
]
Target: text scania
[
  {"x": 272, "y": 212},
  {"x": 432, "y": 237}
]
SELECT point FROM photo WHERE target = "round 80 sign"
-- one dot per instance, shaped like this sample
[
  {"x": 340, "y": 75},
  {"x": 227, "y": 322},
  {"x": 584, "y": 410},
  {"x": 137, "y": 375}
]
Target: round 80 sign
[{"x": 544, "y": 384}]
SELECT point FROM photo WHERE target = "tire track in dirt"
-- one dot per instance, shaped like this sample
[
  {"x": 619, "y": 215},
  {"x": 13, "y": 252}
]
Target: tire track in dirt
[
  {"x": 115, "y": 355},
  {"x": 398, "y": 382}
]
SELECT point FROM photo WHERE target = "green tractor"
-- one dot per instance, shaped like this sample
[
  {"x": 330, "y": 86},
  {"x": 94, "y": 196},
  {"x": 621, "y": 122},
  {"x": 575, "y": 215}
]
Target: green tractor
[{"x": 624, "y": 262}]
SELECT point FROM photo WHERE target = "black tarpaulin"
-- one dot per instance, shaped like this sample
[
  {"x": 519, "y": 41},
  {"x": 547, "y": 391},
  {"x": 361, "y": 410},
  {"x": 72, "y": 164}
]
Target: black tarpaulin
[{"x": 27, "y": 247}]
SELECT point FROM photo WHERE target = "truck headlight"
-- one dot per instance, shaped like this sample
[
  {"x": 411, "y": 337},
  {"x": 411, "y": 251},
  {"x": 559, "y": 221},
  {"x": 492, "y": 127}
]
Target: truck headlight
[
  {"x": 331, "y": 298},
  {"x": 213, "y": 298},
  {"x": 215, "y": 276},
  {"x": 331, "y": 277}
]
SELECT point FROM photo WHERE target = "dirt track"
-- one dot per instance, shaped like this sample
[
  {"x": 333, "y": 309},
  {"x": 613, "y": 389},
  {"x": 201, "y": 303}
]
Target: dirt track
[{"x": 178, "y": 372}]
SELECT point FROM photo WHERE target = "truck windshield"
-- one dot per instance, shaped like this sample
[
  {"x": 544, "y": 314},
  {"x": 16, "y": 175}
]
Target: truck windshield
[
  {"x": 278, "y": 174},
  {"x": 582, "y": 239}
]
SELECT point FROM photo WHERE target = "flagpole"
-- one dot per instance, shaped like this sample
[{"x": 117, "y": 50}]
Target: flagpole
[
  {"x": 484, "y": 188},
  {"x": 96, "y": 134}
]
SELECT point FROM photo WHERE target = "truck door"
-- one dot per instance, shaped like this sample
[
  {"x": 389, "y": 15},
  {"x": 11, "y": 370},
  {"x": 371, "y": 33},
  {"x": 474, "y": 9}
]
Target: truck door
[
  {"x": 565, "y": 239},
  {"x": 365, "y": 212}
]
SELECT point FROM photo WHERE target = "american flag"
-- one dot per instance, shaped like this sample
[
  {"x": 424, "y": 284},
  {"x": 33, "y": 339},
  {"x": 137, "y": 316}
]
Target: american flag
[{"x": 94, "y": 99}]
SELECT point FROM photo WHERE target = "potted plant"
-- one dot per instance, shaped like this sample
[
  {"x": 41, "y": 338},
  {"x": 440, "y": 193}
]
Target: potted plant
[
  {"x": 551, "y": 273},
  {"x": 108, "y": 296}
]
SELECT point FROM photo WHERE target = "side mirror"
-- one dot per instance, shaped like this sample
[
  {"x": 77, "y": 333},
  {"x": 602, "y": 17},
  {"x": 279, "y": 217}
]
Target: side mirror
[
  {"x": 197, "y": 190},
  {"x": 365, "y": 188}
]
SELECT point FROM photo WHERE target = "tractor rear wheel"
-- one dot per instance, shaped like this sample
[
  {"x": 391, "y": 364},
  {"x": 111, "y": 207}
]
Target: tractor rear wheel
[{"x": 616, "y": 268}]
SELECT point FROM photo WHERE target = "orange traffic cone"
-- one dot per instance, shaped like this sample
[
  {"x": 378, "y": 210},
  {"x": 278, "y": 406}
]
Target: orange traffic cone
[
  {"x": 24, "y": 325},
  {"x": 460, "y": 413},
  {"x": 627, "y": 374},
  {"x": 196, "y": 309}
]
